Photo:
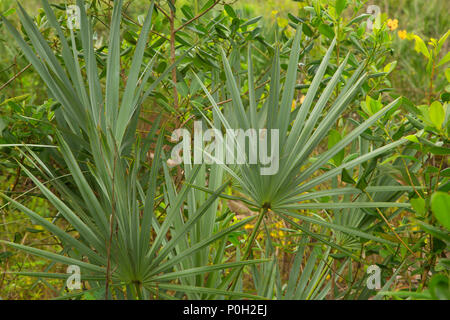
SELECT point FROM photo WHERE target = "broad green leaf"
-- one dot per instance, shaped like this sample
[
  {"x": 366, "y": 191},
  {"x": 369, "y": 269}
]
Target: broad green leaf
[
  {"x": 419, "y": 206},
  {"x": 437, "y": 114},
  {"x": 442, "y": 41},
  {"x": 326, "y": 30},
  {"x": 333, "y": 138},
  {"x": 440, "y": 205},
  {"x": 421, "y": 47},
  {"x": 444, "y": 60},
  {"x": 230, "y": 11},
  {"x": 340, "y": 6}
]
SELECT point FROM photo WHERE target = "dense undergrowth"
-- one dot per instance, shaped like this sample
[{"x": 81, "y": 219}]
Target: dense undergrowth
[{"x": 360, "y": 105}]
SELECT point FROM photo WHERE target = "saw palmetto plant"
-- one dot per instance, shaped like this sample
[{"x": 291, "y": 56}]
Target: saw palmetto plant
[
  {"x": 289, "y": 193},
  {"x": 326, "y": 197},
  {"x": 109, "y": 195}
]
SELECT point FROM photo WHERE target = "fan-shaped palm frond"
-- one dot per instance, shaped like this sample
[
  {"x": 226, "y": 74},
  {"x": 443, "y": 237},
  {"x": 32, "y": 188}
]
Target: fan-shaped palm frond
[{"x": 290, "y": 191}]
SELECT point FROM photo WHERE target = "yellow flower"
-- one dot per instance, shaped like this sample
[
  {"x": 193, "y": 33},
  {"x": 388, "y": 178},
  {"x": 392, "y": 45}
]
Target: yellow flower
[
  {"x": 274, "y": 13},
  {"x": 328, "y": 277},
  {"x": 402, "y": 34},
  {"x": 392, "y": 24},
  {"x": 248, "y": 226},
  {"x": 293, "y": 105}
]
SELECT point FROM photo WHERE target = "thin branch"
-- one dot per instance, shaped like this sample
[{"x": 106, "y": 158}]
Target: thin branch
[
  {"x": 134, "y": 21},
  {"x": 197, "y": 17},
  {"x": 15, "y": 77},
  {"x": 163, "y": 12}
]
